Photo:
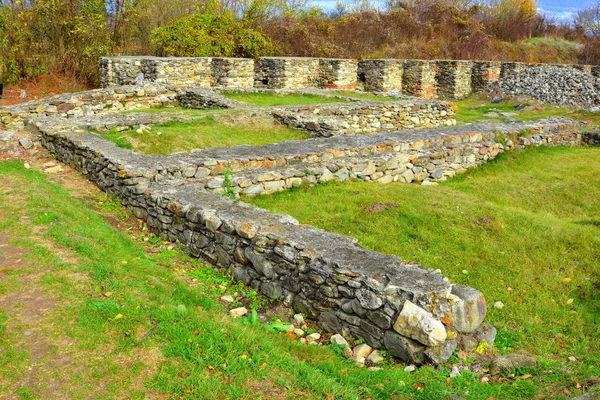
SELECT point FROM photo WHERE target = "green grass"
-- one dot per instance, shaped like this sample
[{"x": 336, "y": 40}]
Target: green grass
[
  {"x": 474, "y": 109},
  {"x": 206, "y": 132},
  {"x": 273, "y": 99},
  {"x": 528, "y": 221},
  {"x": 158, "y": 336},
  {"x": 179, "y": 110}
]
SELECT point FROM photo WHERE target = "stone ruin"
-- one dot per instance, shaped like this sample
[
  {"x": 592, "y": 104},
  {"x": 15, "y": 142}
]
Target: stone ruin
[
  {"x": 451, "y": 79},
  {"x": 412, "y": 311}
]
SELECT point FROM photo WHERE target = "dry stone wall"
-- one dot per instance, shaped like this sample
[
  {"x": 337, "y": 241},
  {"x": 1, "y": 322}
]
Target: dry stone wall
[
  {"x": 367, "y": 117},
  {"x": 414, "y": 312},
  {"x": 453, "y": 79}
]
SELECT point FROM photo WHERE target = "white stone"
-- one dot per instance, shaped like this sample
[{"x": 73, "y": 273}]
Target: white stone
[
  {"x": 313, "y": 337},
  {"x": 227, "y": 298},
  {"x": 238, "y": 312},
  {"x": 362, "y": 350},
  {"x": 298, "y": 319},
  {"x": 419, "y": 324},
  {"x": 338, "y": 339},
  {"x": 499, "y": 305}
]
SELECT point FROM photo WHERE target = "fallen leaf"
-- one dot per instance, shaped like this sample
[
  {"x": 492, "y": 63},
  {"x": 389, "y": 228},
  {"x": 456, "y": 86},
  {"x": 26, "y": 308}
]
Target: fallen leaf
[
  {"x": 108, "y": 294},
  {"x": 526, "y": 376},
  {"x": 566, "y": 280},
  {"x": 119, "y": 316},
  {"x": 420, "y": 385}
]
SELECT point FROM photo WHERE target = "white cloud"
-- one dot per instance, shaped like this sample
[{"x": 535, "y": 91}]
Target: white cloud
[{"x": 559, "y": 16}]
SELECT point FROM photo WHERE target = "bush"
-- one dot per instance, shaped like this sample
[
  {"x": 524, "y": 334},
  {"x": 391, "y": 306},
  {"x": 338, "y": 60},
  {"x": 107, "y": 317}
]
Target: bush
[{"x": 209, "y": 35}]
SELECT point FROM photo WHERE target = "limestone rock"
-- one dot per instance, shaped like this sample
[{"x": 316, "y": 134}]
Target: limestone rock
[
  {"x": 510, "y": 362},
  {"x": 339, "y": 340},
  {"x": 442, "y": 353},
  {"x": 468, "y": 310},
  {"x": 416, "y": 323},
  {"x": 404, "y": 348},
  {"x": 238, "y": 312},
  {"x": 362, "y": 350}
]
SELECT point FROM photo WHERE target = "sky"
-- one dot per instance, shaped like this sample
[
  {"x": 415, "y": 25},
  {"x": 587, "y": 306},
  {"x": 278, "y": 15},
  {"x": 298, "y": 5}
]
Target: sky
[{"x": 560, "y": 10}]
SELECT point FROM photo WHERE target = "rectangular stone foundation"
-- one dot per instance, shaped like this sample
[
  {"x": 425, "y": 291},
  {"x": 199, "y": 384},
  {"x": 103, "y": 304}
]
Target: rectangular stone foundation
[
  {"x": 453, "y": 78},
  {"x": 381, "y": 75},
  {"x": 337, "y": 73},
  {"x": 419, "y": 78},
  {"x": 484, "y": 73},
  {"x": 286, "y": 72}
]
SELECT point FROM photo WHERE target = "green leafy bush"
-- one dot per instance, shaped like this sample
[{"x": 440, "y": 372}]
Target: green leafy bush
[{"x": 209, "y": 35}]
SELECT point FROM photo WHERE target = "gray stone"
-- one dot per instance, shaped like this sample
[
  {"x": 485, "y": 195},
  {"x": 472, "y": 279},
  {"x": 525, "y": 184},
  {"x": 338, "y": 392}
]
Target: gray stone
[
  {"x": 587, "y": 396},
  {"x": 441, "y": 354},
  {"x": 368, "y": 299},
  {"x": 510, "y": 362},
  {"x": 260, "y": 263},
  {"x": 26, "y": 143},
  {"x": 486, "y": 333},
  {"x": 272, "y": 290},
  {"x": 404, "y": 348},
  {"x": 468, "y": 310}
]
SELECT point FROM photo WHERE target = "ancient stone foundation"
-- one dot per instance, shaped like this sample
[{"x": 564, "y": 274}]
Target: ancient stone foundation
[
  {"x": 452, "y": 79},
  {"x": 414, "y": 312}
]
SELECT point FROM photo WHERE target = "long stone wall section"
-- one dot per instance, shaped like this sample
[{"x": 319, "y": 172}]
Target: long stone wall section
[
  {"x": 452, "y": 79},
  {"x": 367, "y": 117}
]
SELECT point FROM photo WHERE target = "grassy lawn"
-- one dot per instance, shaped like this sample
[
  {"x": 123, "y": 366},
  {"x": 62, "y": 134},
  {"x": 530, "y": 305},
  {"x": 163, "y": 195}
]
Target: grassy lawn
[
  {"x": 206, "y": 132},
  {"x": 479, "y": 109},
  {"x": 88, "y": 311},
  {"x": 273, "y": 99},
  {"x": 524, "y": 229}
]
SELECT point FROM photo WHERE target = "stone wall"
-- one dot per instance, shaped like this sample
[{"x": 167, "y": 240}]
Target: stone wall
[
  {"x": 93, "y": 102},
  {"x": 381, "y": 75},
  {"x": 350, "y": 290},
  {"x": 180, "y": 71},
  {"x": 453, "y": 79},
  {"x": 341, "y": 119},
  {"x": 286, "y": 72},
  {"x": 414, "y": 312},
  {"x": 484, "y": 74},
  {"x": 418, "y": 78}
]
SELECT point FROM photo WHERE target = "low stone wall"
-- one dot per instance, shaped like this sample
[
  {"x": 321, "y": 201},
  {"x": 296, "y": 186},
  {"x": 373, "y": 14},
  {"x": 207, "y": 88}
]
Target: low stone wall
[
  {"x": 286, "y": 72},
  {"x": 299, "y": 72},
  {"x": 452, "y": 79},
  {"x": 412, "y": 311},
  {"x": 341, "y": 119},
  {"x": 484, "y": 73},
  {"x": 381, "y": 75},
  {"x": 93, "y": 102},
  {"x": 180, "y": 71}
]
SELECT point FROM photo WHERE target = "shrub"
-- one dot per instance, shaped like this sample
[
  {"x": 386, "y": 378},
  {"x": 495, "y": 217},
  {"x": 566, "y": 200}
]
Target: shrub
[{"x": 209, "y": 35}]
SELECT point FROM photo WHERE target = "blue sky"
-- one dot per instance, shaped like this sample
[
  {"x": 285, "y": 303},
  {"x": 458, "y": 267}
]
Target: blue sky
[
  {"x": 563, "y": 10},
  {"x": 560, "y": 10}
]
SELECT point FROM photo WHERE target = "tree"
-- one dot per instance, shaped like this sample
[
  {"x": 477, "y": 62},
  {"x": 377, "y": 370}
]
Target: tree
[{"x": 589, "y": 19}]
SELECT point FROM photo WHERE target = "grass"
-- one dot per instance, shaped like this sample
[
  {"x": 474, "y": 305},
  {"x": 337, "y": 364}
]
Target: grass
[
  {"x": 523, "y": 229},
  {"x": 474, "y": 109},
  {"x": 126, "y": 324},
  {"x": 206, "y": 132},
  {"x": 273, "y": 99}
]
